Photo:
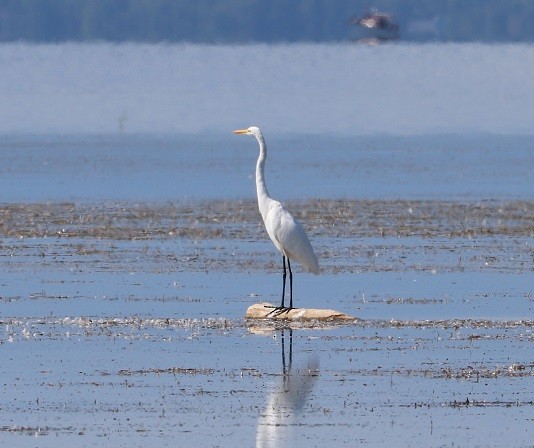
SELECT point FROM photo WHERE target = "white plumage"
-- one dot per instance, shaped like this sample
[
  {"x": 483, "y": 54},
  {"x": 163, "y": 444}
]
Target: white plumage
[{"x": 286, "y": 232}]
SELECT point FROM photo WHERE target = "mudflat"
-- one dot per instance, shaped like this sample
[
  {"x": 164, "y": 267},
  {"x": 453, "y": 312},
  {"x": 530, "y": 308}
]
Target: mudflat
[{"x": 123, "y": 324}]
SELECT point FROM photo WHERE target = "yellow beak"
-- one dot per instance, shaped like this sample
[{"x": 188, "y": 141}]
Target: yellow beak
[{"x": 241, "y": 131}]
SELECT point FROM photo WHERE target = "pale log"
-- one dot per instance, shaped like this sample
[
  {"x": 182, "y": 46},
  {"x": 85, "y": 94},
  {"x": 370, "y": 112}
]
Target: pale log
[{"x": 268, "y": 311}]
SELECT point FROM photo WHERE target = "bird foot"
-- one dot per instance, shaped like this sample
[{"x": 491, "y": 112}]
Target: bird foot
[{"x": 277, "y": 310}]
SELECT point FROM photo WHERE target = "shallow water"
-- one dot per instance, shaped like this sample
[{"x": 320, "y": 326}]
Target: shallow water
[
  {"x": 397, "y": 89},
  {"x": 131, "y": 245},
  {"x": 191, "y": 168},
  {"x": 123, "y": 324}
]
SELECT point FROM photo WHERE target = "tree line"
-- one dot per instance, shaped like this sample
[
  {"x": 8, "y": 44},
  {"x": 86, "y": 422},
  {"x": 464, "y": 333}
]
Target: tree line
[{"x": 238, "y": 21}]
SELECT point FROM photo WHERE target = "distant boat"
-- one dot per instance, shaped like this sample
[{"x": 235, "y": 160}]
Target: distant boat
[
  {"x": 383, "y": 26},
  {"x": 378, "y": 20}
]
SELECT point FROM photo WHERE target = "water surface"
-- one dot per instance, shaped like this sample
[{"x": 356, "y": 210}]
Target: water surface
[
  {"x": 131, "y": 245},
  {"x": 398, "y": 89}
]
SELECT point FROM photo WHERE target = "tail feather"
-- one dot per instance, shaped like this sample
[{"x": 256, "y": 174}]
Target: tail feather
[
  {"x": 309, "y": 261},
  {"x": 313, "y": 266}
]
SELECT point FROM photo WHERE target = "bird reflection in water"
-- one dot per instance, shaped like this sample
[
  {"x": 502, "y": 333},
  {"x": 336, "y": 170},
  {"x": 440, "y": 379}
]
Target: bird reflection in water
[{"x": 286, "y": 399}]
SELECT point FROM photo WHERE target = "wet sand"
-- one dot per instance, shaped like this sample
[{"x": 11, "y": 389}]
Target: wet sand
[{"x": 123, "y": 326}]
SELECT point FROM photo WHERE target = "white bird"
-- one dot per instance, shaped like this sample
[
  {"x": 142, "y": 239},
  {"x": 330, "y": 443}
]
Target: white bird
[{"x": 285, "y": 231}]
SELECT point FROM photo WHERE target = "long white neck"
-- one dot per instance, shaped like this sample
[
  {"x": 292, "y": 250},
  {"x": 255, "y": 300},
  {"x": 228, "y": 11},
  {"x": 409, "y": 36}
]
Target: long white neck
[{"x": 261, "y": 188}]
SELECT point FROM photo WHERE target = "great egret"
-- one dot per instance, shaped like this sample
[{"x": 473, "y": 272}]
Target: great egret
[{"x": 285, "y": 231}]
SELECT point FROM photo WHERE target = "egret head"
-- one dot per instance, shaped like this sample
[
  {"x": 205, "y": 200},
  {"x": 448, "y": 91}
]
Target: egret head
[{"x": 253, "y": 130}]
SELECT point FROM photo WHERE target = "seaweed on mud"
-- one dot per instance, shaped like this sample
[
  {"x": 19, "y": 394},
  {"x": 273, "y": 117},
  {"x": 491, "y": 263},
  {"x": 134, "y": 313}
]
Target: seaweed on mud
[
  {"x": 240, "y": 219},
  {"x": 348, "y": 236},
  {"x": 169, "y": 370},
  {"x": 473, "y": 373},
  {"x": 35, "y": 430},
  {"x": 134, "y": 327},
  {"x": 484, "y": 403},
  {"x": 453, "y": 323}
]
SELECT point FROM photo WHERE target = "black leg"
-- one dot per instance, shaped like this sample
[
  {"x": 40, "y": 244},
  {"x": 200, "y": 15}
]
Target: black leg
[
  {"x": 290, "y": 285},
  {"x": 282, "y": 308},
  {"x": 284, "y": 280}
]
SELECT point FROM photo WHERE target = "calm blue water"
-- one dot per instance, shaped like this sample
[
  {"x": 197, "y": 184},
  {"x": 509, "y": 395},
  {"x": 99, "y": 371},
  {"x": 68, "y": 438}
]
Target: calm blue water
[
  {"x": 178, "y": 168},
  {"x": 102, "y": 122},
  {"x": 399, "y": 89},
  {"x": 153, "y": 122}
]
